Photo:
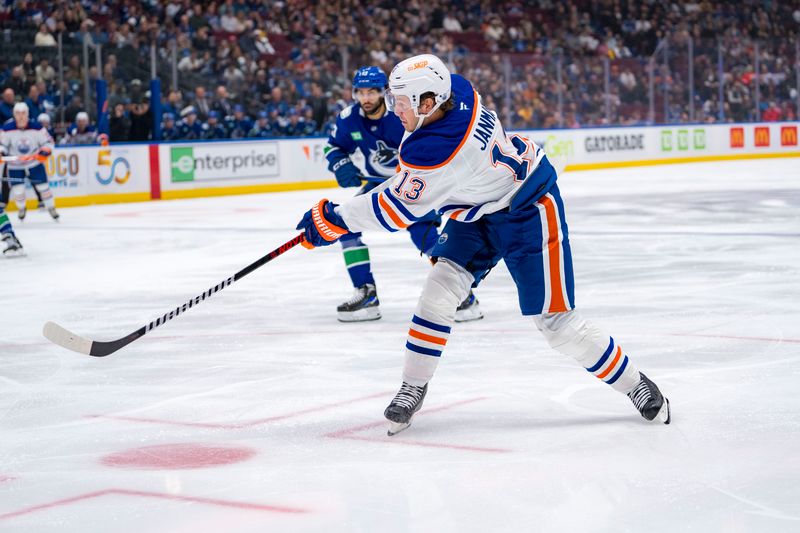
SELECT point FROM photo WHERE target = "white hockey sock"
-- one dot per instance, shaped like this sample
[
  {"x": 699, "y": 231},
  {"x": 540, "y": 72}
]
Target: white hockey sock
[
  {"x": 446, "y": 287},
  {"x": 598, "y": 353},
  {"x": 18, "y": 193},
  {"x": 47, "y": 195}
]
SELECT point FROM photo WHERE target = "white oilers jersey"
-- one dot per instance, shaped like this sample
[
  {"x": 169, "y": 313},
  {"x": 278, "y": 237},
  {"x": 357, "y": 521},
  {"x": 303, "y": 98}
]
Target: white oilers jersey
[
  {"x": 463, "y": 166},
  {"x": 25, "y": 142}
]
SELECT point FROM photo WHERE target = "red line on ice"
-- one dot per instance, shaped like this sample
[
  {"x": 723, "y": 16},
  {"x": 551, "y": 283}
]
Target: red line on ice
[
  {"x": 159, "y": 495},
  {"x": 240, "y": 425},
  {"x": 349, "y": 433}
]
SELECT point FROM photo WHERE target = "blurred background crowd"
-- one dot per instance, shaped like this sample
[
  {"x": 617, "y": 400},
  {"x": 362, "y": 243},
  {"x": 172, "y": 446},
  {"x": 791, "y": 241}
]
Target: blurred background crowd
[{"x": 278, "y": 68}]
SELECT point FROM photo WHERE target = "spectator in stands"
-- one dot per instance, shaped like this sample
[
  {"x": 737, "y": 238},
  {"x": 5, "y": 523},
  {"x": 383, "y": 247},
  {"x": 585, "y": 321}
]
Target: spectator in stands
[
  {"x": 28, "y": 70},
  {"x": 46, "y": 122},
  {"x": 74, "y": 107},
  {"x": 772, "y": 113},
  {"x": 233, "y": 77},
  {"x": 141, "y": 121},
  {"x": 35, "y": 101},
  {"x": 17, "y": 81},
  {"x": 81, "y": 132},
  {"x": 74, "y": 70},
  {"x": 201, "y": 102},
  {"x": 119, "y": 125},
  {"x": 319, "y": 105},
  {"x": 276, "y": 102},
  {"x": 7, "y": 106},
  {"x": 44, "y": 37},
  {"x": 262, "y": 42},
  {"x": 222, "y": 103},
  {"x": 190, "y": 62},
  {"x": 45, "y": 72},
  {"x": 173, "y": 103}
]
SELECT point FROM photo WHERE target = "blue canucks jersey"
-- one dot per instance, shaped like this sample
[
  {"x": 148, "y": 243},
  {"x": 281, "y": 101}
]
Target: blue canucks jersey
[{"x": 378, "y": 140}]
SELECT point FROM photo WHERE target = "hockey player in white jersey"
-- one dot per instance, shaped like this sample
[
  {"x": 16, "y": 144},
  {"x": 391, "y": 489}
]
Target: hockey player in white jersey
[
  {"x": 30, "y": 143},
  {"x": 500, "y": 195}
]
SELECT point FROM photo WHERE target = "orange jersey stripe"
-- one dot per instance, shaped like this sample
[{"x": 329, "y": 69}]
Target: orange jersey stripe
[
  {"x": 608, "y": 370},
  {"x": 423, "y": 337},
  {"x": 389, "y": 211},
  {"x": 466, "y": 136},
  {"x": 557, "y": 303},
  {"x": 455, "y": 213}
]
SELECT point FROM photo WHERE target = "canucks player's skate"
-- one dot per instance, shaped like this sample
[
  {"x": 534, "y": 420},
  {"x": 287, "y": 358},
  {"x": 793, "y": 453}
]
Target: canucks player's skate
[
  {"x": 361, "y": 307},
  {"x": 12, "y": 247}
]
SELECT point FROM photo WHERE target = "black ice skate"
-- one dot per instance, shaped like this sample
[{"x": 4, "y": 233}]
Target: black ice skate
[
  {"x": 649, "y": 400},
  {"x": 469, "y": 309},
  {"x": 13, "y": 248},
  {"x": 22, "y": 212},
  {"x": 53, "y": 213},
  {"x": 361, "y": 307},
  {"x": 407, "y": 402}
]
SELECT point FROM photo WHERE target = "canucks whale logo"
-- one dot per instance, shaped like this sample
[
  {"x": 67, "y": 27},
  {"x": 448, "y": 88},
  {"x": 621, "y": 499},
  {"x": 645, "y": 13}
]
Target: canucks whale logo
[{"x": 383, "y": 159}]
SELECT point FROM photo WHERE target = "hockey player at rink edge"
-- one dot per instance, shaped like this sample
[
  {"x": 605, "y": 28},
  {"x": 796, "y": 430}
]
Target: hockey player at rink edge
[
  {"x": 500, "y": 196},
  {"x": 31, "y": 144},
  {"x": 11, "y": 245},
  {"x": 366, "y": 126}
]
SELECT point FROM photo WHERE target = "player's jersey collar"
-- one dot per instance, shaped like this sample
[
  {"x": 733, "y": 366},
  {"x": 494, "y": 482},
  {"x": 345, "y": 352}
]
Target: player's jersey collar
[{"x": 435, "y": 144}]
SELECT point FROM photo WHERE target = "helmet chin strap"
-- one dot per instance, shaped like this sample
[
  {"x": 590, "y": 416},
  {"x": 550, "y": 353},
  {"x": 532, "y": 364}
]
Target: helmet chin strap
[{"x": 421, "y": 118}]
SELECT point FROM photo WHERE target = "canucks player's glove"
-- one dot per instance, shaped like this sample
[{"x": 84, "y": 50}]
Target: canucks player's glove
[
  {"x": 321, "y": 225},
  {"x": 347, "y": 174}
]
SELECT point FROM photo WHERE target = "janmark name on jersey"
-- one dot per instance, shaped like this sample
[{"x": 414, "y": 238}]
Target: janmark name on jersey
[{"x": 483, "y": 132}]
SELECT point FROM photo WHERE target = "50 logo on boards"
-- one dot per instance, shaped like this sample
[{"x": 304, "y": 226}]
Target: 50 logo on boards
[
  {"x": 223, "y": 161},
  {"x": 119, "y": 171}
]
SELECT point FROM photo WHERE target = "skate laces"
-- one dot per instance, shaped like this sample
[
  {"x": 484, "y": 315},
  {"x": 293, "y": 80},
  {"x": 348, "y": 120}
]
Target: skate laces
[
  {"x": 640, "y": 395},
  {"x": 408, "y": 396},
  {"x": 360, "y": 294}
]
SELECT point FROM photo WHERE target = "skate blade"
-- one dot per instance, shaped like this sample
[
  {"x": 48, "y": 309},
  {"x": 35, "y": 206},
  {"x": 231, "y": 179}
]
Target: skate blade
[
  {"x": 468, "y": 315},
  {"x": 397, "y": 427},
  {"x": 362, "y": 315},
  {"x": 14, "y": 254},
  {"x": 664, "y": 415}
]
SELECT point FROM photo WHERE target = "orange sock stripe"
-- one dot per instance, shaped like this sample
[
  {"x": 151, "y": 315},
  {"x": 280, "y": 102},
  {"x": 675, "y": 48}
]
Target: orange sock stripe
[
  {"x": 425, "y": 337},
  {"x": 557, "y": 303},
  {"x": 608, "y": 370},
  {"x": 389, "y": 211}
]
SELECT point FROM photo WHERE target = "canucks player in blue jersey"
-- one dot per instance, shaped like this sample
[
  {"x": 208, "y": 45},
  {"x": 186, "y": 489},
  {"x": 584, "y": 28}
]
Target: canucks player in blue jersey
[{"x": 366, "y": 126}]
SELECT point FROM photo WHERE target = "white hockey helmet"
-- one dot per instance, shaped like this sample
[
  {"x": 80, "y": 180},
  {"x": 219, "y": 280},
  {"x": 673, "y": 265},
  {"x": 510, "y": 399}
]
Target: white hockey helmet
[
  {"x": 416, "y": 76},
  {"x": 21, "y": 107}
]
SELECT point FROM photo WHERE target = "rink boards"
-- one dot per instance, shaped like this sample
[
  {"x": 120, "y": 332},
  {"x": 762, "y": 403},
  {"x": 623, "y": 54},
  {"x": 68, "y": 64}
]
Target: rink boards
[{"x": 141, "y": 172}]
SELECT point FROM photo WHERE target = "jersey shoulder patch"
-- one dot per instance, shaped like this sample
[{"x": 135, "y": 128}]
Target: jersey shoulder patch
[{"x": 346, "y": 111}]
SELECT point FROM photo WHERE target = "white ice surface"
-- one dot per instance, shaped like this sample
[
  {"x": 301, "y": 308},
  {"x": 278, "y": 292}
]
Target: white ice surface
[{"x": 692, "y": 268}]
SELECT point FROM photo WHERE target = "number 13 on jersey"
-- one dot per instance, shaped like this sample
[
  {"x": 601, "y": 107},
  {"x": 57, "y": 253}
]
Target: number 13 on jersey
[{"x": 409, "y": 187}]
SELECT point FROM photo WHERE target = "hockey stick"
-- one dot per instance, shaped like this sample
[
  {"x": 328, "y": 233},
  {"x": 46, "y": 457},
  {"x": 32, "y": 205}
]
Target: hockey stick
[{"x": 65, "y": 338}]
